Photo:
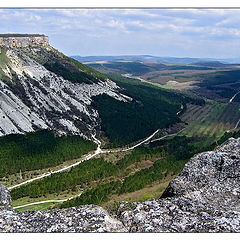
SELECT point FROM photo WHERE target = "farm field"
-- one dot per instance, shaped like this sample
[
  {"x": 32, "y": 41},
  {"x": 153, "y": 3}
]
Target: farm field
[
  {"x": 209, "y": 123},
  {"x": 181, "y": 76}
]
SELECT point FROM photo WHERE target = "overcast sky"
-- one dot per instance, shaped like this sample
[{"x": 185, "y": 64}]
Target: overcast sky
[{"x": 158, "y": 32}]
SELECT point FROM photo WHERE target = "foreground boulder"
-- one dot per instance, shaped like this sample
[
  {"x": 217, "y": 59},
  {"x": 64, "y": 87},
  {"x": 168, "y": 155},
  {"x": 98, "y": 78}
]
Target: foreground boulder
[
  {"x": 205, "y": 197},
  {"x": 87, "y": 218}
]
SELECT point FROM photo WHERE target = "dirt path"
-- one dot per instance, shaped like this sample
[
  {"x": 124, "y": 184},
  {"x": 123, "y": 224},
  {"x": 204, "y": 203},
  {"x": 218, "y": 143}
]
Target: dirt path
[
  {"x": 46, "y": 201},
  {"x": 88, "y": 157},
  {"x": 236, "y": 126},
  {"x": 233, "y": 97}
]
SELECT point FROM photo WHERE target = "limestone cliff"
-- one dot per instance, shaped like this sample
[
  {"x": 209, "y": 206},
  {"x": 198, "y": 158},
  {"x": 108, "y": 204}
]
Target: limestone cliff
[
  {"x": 205, "y": 197},
  {"x": 41, "y": 88},
  {"x": 23, "y": 40}
]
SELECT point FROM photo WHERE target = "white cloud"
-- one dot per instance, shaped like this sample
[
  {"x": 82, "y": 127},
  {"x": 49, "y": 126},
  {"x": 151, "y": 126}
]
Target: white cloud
[{"x": 129, "y": 29}]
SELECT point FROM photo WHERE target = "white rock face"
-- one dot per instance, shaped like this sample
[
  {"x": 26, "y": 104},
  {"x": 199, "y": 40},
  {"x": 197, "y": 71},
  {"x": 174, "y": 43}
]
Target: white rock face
[
  {"x": 15, "y": 116},
  {"x": 42, "y": 99}
]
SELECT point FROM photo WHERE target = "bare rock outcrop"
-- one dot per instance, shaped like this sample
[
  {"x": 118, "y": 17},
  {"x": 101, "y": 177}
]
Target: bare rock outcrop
[
  {"x": 23, "y": 40},
  {"x": 205, "y": 197},
  {"x": 5, "y": 198},
  {"x": 87, "y": 218}
]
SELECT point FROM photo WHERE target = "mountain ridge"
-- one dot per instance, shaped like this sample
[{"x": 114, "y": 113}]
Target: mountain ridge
[
  {"x": 154, "y": 59},
  {"x": 41, "y": 88},
  {"x": 35, "y": 95}
]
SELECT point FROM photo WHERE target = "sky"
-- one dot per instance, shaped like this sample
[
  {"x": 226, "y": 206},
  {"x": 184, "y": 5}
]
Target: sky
[{"x": 213, "y": 33}]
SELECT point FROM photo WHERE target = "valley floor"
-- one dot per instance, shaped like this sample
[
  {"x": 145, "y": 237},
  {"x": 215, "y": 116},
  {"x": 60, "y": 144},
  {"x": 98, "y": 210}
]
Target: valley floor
[{"x": 205, "y": 123}]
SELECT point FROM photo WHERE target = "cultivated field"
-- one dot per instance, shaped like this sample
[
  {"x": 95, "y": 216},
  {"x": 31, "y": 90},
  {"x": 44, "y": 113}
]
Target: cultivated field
[
  {"x": 208, "y": 123},
  {"x": 185, "y": 77}
]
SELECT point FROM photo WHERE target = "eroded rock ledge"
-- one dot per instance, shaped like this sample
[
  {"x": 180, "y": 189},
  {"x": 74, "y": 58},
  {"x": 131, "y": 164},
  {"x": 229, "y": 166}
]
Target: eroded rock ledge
[{"x": 205, "y": 197}]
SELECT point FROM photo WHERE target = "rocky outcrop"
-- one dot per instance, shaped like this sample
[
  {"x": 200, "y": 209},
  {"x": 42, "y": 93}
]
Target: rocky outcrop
[
  {"x": 87, "y": 218},
  {"x": 5, "y": 198},
  {"x": 23, "y": 40},
  {"x": 205, "y": 197}
]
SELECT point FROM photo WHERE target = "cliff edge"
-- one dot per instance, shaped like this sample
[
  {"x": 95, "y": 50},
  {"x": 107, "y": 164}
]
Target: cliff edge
[
  {"x": 23, "y": 40},
  {"x": 205, "y": 197},
  {"x": 41, "y": 88}
]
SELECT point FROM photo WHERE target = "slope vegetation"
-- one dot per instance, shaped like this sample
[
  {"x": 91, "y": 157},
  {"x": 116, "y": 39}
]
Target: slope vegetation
[
  {"x": 151, "y": 108},
  {"x": 39, "y": 150}
]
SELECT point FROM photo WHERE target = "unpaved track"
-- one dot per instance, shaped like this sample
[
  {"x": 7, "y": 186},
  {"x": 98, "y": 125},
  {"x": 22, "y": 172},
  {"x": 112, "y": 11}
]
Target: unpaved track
[
  {"x": 236, "y": 126},
  {"x": 46, "y": 201},
  {"x": 233, "y": 97},
  {"x": 88, "y": 157}
]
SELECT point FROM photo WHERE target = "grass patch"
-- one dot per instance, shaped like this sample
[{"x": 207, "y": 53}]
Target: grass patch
[{"x": 38, "y": 207}]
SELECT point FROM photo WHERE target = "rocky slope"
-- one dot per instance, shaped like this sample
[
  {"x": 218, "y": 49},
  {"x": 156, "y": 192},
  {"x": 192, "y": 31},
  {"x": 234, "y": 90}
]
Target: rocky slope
[
  {"x": 205, "y": 197},
  {"x": 41, "y": 88}
]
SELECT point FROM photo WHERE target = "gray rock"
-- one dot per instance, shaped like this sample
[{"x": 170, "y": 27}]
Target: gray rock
[
  {"x": 95, "y": 219},
  {"x": 205, "y": 197},
  {"x": 5, "y": 198}
]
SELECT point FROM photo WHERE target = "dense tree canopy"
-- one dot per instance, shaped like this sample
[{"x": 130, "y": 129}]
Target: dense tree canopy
[
  {"x": 39, "y": 150},
  {"x": 152, "y": 108}
]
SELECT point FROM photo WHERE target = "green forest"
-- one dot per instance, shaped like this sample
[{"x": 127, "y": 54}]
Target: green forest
[
  {"x": 224, "y": 83},
  {"x": 151, "y": 109},
  {"x": 40, "y": 149},
  {"x": 100, "y": 179},
  {"x": 169, "y": 164},
  {"x": 73, "y": 76}
]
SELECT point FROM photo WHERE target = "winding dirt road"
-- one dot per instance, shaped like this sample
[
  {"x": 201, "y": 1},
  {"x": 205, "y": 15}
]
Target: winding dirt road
[
  {"x": 98, "y": 151},
  {"x": 236, "y": 126},
  {"x": 88, "y": 157},
  {"x": 233, "y": 97}
]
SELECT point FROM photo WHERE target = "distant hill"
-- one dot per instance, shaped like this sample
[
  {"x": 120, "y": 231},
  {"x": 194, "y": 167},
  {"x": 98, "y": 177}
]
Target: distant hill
[
  {"x": 211, "y": 64},
  {"x": 141, "y": 58},
  {"x": 140, "y": 68},
  {"x": 155, "y": 59}
]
